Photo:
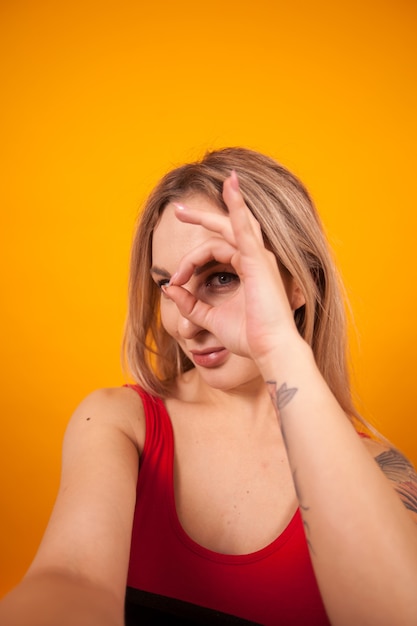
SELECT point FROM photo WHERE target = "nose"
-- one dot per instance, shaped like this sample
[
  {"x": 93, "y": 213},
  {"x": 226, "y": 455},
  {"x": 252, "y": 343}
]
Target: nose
[{"x": 187, "y": 329}]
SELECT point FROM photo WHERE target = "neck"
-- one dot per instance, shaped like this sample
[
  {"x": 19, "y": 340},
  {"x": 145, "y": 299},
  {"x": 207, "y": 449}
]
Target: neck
[{"x": 250, "y": 400}]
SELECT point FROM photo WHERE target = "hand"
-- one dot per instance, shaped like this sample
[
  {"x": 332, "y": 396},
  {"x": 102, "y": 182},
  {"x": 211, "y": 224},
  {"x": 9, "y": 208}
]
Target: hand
[{"x": 250, "y": 324}]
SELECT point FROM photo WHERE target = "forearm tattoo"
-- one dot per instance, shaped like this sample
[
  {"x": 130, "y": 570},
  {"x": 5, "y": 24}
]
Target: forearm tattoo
[
  {"x": 303, "y": 510},
  {"x": 402, "y": 473},
  {"x": 282, "y": 396}
]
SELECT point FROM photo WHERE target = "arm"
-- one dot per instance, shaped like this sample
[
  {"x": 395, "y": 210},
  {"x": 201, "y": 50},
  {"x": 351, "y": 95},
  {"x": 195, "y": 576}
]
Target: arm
[
  {"x": 400, "y": 472},
  {"x": 79, "y": 573},
  {"x": 362, "y": 540}
]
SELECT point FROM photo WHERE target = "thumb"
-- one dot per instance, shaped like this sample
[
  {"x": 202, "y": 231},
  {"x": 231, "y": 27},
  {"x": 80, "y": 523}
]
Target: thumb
[{"x": 197, "y": 311}]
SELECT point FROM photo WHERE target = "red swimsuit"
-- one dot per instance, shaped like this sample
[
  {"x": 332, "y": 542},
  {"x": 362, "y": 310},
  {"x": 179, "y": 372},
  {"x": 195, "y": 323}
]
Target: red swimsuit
[{"x": 169, "y": 573}]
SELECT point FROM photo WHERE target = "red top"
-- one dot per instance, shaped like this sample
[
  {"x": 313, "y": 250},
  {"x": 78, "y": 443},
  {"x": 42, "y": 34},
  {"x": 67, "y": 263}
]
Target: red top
[{"x": 275, "y": 585}]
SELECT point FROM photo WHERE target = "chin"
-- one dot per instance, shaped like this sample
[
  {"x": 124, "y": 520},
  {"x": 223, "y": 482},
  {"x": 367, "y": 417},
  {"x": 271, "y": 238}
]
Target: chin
[{"x": 231, "y": 377}]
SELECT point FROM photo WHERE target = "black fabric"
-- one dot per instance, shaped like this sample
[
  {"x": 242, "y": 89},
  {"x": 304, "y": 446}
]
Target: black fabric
[{"x": 143, "y": 608}]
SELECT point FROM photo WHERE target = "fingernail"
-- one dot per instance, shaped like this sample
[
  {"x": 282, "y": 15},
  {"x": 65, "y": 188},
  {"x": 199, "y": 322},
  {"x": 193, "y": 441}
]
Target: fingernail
[
  {"x": 234, "y": 181},
  {"x": 172, "y": 279},
  {"x": 178, "y": 206}
]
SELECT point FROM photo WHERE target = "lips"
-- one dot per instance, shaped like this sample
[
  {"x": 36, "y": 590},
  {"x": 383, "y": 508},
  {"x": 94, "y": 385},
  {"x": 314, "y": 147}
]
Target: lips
[{"x": 210, "y": 357}]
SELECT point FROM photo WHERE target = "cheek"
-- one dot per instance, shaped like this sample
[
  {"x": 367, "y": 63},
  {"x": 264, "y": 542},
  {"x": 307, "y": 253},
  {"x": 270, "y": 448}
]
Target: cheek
[{"x": 168, "y": 316}]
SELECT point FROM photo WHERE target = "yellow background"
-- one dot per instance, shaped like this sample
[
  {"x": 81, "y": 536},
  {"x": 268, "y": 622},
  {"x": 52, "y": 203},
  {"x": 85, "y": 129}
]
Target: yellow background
[{"x": 99, "y": 99}]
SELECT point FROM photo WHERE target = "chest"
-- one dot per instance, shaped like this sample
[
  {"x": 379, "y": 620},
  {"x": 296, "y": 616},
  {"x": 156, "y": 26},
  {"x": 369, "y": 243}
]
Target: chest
[
  {"x": 233, "y": 489},
  {"x": 232, "y": 503}
]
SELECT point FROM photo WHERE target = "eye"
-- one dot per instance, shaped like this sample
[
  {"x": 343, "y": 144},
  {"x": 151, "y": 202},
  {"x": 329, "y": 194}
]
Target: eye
[
  {"x": 162, "y": 282},
  {"x": 221, "y": 280}
]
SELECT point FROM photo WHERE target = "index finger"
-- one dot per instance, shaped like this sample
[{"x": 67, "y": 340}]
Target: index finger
[{"x": 214, "y": 250}]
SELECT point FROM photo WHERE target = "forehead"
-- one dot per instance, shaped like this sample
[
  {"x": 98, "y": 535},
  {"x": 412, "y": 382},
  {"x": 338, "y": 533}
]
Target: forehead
[{"x": 172, "y": 238}]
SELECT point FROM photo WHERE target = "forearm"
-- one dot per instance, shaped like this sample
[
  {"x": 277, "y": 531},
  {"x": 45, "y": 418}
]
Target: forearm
[
  {"x": 51, "y": 598},
  {"x": 362, "y": 542}
]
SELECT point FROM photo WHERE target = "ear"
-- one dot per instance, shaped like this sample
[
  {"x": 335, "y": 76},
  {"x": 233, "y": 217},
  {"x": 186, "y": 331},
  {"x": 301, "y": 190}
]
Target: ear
[{"x": 295, "y": 296}]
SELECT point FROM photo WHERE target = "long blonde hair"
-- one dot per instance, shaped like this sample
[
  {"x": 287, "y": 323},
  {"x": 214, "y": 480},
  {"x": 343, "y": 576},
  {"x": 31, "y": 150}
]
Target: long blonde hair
[{"x": 291, "y": 229}]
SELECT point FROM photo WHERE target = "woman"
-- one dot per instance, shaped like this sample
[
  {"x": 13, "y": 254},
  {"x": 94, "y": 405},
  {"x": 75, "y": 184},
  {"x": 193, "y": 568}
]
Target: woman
[{"x": 273, "y": 512}]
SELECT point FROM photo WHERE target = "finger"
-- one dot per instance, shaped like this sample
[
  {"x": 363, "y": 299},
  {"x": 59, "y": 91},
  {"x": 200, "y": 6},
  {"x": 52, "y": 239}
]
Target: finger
[
  {"x": 242, "y": 219},
  {"x": 215, "y": 222},
  {"x": 197, "y": 311},
  {"x": 214, "y": 249}
]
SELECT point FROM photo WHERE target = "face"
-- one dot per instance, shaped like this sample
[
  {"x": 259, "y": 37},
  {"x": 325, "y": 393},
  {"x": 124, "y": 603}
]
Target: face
[{"x": 211, "y": 283}]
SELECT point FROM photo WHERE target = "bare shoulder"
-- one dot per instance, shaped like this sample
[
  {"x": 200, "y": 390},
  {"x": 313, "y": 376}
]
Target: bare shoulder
[
  {"x": 399, "y": 471},
  {"x": 120, "y": 408}
]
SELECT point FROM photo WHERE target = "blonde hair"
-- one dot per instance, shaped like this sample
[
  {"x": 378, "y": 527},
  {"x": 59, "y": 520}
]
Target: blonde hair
[{"x": 292, "y": 230}]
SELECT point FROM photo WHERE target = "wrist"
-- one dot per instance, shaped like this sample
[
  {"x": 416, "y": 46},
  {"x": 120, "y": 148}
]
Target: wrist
[{"x": 285, "y": 357}]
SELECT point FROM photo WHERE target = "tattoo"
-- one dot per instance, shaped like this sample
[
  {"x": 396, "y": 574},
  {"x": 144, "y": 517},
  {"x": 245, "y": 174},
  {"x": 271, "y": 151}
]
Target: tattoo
[
  {"x": 303, "y": 510},
  {"x": 281, "y": 397},
  {"x": 401, "y": 472}
]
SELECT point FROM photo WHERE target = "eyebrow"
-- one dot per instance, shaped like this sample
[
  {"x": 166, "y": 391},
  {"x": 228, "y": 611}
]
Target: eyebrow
[
  {"x": 160, "y": 272},
  {"x": 201, "y": 269},
  {"x": 198, "y": 270}
]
